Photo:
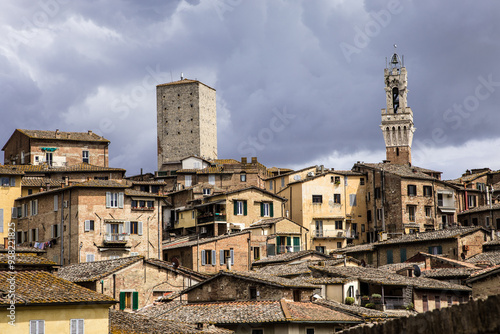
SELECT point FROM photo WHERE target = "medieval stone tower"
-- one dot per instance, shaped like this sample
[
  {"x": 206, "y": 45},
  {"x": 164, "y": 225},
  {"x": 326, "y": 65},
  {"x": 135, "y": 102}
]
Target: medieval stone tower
[
  {"x": 397, "y": 118},
  {"x": 186, "y": 121}
]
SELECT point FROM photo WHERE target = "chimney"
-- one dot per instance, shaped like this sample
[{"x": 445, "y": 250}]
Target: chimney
[
  {"x": 322, "y": 167},
  {"x": 66, "y": 181},
  {"x": 243, "y": 160},
  {"x": 254, "y": 160},
  {"x": 90, "y": 132},
  {"x": 58, "y": 134},
  {"x": 47, "y": 185}
]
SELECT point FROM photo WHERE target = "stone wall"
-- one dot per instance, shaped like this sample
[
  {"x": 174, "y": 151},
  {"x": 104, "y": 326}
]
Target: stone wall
[{"x": 474, "y": 317}]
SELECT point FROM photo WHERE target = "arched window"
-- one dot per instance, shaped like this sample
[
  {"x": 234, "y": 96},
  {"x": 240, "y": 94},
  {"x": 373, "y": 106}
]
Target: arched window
[{"x": 395, "y": 99}]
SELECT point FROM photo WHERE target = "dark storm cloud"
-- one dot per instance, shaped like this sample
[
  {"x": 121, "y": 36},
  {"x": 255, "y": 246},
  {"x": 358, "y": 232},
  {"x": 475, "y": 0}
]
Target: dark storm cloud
[{"x": 297, "y": 81}]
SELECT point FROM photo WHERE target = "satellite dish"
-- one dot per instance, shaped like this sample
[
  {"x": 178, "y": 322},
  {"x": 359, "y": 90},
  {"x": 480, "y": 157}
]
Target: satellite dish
[
  {"x": 175, "y": 263},
  {"x": 416, "y": 270}
]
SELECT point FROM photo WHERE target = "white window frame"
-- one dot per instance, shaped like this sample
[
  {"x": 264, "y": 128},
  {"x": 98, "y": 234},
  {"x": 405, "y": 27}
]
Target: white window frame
[
  {"x": 188, "y": 180},
  {"x": 211, "y": 179},
  {"x": 266, "y": 208},
  {"x": 77, "y": 326},
  {"x": 206, "y": 191},
  {"x": 37, "y": 326},
  {"x": 34, "y": 207},
  {"x": 90, "y": 257},
  {"x": 85, "y": 156},
  {"x": 239, "y": 206},
  {"x": 352, "y": 200},
  {"x": 114, "y": 200}
]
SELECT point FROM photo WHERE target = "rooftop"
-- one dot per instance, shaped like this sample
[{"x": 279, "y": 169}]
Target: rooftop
[
  {"x": 383, "y": 277},
  {"x": 23, "y": 259},
  {"x": 251, "y": 312},
  {"x": 81, "y": 167},
  {"x": 41, "y": 288},
  {"x": 490, "y": 258},
  {"x": 188, "y": 243},
  {"x": 93, "y": 271},
  {"x": 441, "y": 273},
  {"x": 290, "y": 256},
  {"x": 61, "y": 135},
  {"x": 131, "y": 323}
]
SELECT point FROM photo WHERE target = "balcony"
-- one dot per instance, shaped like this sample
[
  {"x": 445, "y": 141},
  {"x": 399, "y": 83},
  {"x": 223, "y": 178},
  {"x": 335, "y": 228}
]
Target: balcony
[
  {"x": 115, "y": 238},
  {"x": 210, "y": 218},
  {"x": 334, "y": 233}
]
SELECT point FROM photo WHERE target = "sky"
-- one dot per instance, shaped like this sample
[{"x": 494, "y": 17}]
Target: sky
[{"x": 298, "y": 82}]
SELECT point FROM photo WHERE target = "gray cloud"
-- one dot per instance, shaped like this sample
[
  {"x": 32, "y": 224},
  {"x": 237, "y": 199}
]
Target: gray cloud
[{"x": 94, "y": 65}]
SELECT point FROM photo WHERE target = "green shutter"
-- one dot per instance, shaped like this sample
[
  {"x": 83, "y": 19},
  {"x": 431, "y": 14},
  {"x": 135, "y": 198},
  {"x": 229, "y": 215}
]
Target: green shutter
[
  {"x": 271, "y": 210},
  {"x": 262, "y": 209},
  {"x": 288, "y": 241},
  {"x": 430, "y": 250},
  {"x": 244, "y": 208},
  {"x": 440, "y": 250},
  {"x": 122, "y": 300},
  {"x": 235, "y": 207},
  {"x": 389, "y": 257},
  {"x": 402, "y": 253},
  {"x": 135, "y": 300}
]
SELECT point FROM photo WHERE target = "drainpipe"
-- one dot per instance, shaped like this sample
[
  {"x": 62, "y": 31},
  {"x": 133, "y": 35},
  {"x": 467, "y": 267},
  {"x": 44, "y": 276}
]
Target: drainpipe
[
  {"x": 114, "y": 288},
  {"x": 465, "y": 199},
  {"x": 69, "y": 224},
  {"x": 62, "y": 229},
  {"x": 160, "y": 229},
  {"x": 382, "y": 198}
]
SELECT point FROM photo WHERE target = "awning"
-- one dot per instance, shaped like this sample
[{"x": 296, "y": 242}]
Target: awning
[
  {"x": 49, "y": 149},
  {"x": 447, "y": 210}
]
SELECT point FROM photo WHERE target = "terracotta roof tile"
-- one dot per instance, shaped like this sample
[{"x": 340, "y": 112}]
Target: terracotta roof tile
[
  {"x": 22, "y": 259},
  {"x": 360, "y": 311},
  {"x": 402, "y": 170},
  {"x": 81, "y": 167},
  {"x": 130, "y": 323},
  {"x": 31, "y": 181},
  {"x": 441, "y": 273},
  {"x": 489, "y": 258},
  {"x": 73, "y": 136},
  {"x": 290, "y": 256},
  {"x": 93, "y": 271},
  {"x": 187, "y": 242},
  {"x": 40, "y": 288},
  {"x": 8, "y": 170}
]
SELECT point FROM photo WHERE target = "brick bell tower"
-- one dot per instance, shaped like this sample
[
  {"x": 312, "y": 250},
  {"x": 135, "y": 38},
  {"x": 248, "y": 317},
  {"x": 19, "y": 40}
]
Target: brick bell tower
[{"x": 397, "y": 118}]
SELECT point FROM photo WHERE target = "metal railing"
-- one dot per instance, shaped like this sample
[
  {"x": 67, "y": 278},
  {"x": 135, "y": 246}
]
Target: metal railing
[
  {"x": 334, "y": 233},
  {"x": 116, "y": 237}
]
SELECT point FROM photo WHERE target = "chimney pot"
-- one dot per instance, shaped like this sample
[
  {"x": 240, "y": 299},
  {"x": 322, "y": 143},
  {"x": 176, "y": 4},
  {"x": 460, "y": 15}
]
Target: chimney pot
[
  {"x": 254, "y": 159},
  {"x": 243, "y": 160}
]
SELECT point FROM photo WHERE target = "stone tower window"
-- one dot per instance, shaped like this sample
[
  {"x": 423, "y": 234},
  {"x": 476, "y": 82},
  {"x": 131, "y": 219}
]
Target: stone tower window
[{"x": 395, "y": 99}]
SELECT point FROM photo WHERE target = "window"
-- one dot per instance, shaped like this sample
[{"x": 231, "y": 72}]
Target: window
[
  {"x": 378, "y": 193},
  {"x": 296, "y": 295},
  {"x": 389, "y": 256},
  {"x": 133, "y": 227},
  {"x": 319, "y": 228},
  {"x": 49, "y": 158},
  {"x": 240, "y": 208},
  {"x": 253, "y": 293},
  {"x": 225, "y": 254},
  {"x": 90, "y": 258},
  {"x": 438, "y": 301},
  {"x": 435, "y": 250},
  {"x": 317, "y": 199},
  {"x": 412, "y": 190},
  {"x": 266, "y": 209},
  {"x": 55, "y": 231},
  {"x": 188, "y": 181},
  {"x": 34, "y": 207},
  {"x": 85, "y": 156},
  {"x": 411, "y": 212},
  {"x": 211, "y": 179},
  {"x": 206, "y": 191},
  {"x": 142, "y": 205},
  {"x": 425, "y": 303},
  {"x": 89, "y": 225},
  {"x": 256, "y": 253},
  {"x": 338, "y": 225},
  {"x": 129, "y": 300},
  {"x": 427, "y": 191},
  {"x": 339, "y": 244},
  {"x": 337, "y": 179},
  {"x": 379, "y": 214},
  {"x": 352, "y": 199},
  {"x": 243, "y": 177},
  {"x": 208, "y": 257},
  {"x": 481, "y": 186},
  {"x": 368, "y": 197},
  {"x": 33, "y": 236},
  {"x": 428, "y": 211},
  {"x": 114, "y": 200},
  {"x": 471, "y": 200},
  {"x": 320, "y": 249},
  {"x": 37, "y": 326},
  {"x": 450, "y": 300},
  {"x": 440, "y": 199},
  {"x": 271, "y": 185},
  {"x": 282, "y": 182},
  {"x": 257, "y": 331},
  {"x": 56, "y": 202},
  {"x": 336, "y": 198},
  {"x": 362, "y": 181},
  {"x": 8, "y": 182},
  {"x": 362, "y": 228},
  {"x": 402, "y": 254},
  {"x": 309, "y": 330}
]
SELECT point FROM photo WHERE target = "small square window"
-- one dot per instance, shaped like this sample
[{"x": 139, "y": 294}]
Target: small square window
[{"x": 317, "y": 199}]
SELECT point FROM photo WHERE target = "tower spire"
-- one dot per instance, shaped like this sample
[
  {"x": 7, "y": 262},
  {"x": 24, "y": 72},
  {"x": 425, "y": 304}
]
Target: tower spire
[{"x": 397, "y": 118}]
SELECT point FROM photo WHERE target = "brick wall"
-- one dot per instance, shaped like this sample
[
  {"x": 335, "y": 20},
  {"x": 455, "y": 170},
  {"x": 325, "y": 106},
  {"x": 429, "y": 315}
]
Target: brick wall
[
  {"x": 479, "y": 317},
  {"x": 487, "y": 286}
]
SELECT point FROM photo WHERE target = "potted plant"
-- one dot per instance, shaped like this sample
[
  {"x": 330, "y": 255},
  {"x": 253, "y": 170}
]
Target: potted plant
[
  {"x": 365, "y": 300},
  {"x": 349, "y": 300},
  {"x": 376, "y": 298},
  {"x": 370, "y": 305}
]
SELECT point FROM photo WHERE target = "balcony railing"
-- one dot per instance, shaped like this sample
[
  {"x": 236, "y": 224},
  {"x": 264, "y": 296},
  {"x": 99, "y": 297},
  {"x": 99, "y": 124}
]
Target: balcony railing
[
  {"x": 334, "y": 234},
  {"x": 287, "y": 249},
  {"x": 116, "y": 238},
  {"x": 393, "y": 303},
  {"x": 212, "y": 218}
]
